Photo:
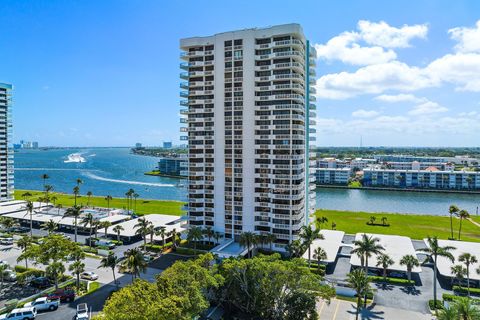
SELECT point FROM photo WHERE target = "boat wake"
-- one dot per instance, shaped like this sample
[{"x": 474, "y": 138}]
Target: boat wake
[
  {"x": 151, "y": 184},
  {"x": 75, "y": 158},
  {"x": 53, "y": 169}
]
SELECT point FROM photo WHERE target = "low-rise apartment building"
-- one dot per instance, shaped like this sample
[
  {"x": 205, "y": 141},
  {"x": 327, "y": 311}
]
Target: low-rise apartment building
[{"x": 338, "y": 176}]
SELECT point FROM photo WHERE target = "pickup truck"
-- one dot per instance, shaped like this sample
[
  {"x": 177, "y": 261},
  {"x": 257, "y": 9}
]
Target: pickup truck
[
  {"x": 44, "y": 304},
  {"x": 63, "y": 294}
]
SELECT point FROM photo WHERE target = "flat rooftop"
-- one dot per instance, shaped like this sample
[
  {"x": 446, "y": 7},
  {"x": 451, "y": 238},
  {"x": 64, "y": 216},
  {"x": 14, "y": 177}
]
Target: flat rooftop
[
  {"x": 395, "y": 246},
  {"x": 331, "y": 244},
  {"x": 158, "y": 220},
  {"x": 444, "y": 265}
]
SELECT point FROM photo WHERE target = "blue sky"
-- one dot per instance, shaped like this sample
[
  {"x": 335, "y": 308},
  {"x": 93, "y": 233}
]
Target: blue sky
[{"x": 105, "y": 73}]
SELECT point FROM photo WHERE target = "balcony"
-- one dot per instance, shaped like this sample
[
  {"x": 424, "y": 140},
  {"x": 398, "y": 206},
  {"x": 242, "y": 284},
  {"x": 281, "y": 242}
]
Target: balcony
[
  {"x": 184, "y": 103},
  {"x": 184, "y": 85},
  {"x": 184, "y": 94},
  {"x": 184, "y": 75},
  {"x": 292, "y": 42},
  {"x": 184, "y": 65},
  {"x": 292, "y": 53},
  {"x": 263, "y": 46}
]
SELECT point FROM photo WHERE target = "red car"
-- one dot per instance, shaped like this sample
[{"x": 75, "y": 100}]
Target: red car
[{"x": 63, "y": 294}]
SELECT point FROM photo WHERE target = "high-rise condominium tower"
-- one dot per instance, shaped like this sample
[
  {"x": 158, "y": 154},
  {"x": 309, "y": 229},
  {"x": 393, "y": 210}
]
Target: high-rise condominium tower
[
  {"x": 248, "y": 109},
  {"x": 6, "y": 143}
]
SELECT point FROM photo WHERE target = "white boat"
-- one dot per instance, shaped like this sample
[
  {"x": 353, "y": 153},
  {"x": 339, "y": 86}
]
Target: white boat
[{"x": 74, "y": 157}]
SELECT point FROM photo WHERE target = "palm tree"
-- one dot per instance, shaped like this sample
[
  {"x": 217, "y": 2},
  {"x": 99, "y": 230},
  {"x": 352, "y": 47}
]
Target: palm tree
[
  {"x": 359, "y": 281},
  {"x": 209, "y": 233},
  {"x": 7, "y": 222},
  {"x": 410, "y": 262},
  {"x": 133, "y": 263},
  {"x": 26, "y": 195},
  {"x": 79, "y": 182},
  {"x": 29, "y": 207},
  {"x": 459, "y": 272},
  {"x": 295, "y": 248},
  {"x": 367, "y": 246},
  {"x": 142, "y": 230},
  {"x": 58, "y": 206},
  {"x": 55, "y": 270},
  {"x": 217, "y": 236},
  {"x": 384, "y": 221},
  {"x": 87, "y": 221},
  {"x": 108, "y": 198},
  {"x": 372, "y": 219},
  {"x": 117, "y": 229},
  {"x": 433, "y": 251},
  {"x": 448, "y": 313},
  {"x": 135, "y": 196},
  {"x": 74, "y": 212},
  {"x": 462, "y": 214},
  {"x": 89, "y": 195},
  {"x": 111, "y": 262},
  {"x": 50, "y": 226},
  {"x": 247, "y": 240},
  {"x": 453, "y": 211},
  {"x": 96, "y": 225},
  {"x": 308, "y": 234},
  {"x": 319, "y": 221},
  {"x": 105, "y": 226},
  {"x": 129, "y": 195},
  {"x": 195, "y": 234},
  {"x": 47, "y": 188},
  {"x": 465, "y": 309},
  {"x": 76, "y": 192},
  {"x": 24, "y": 243},
  {"x": 384, "y": 261},
  {"x": 467, "y": 259},
  {"x": 270, "y": 238},
  {"x": 162, "y": 232},
  {"x": 151, "y": 230},
  {"x": 3, "y": 267},
  {"x": 54, "y": 199},
  {"x": 319, "y": 254},
  {"x": 44, "y": 177},
  {"x": 76, "y": 268}
]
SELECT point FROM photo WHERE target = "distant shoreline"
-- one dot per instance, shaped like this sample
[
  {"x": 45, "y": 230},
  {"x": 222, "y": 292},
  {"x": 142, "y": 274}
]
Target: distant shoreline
[{"x": 329, "y": 186}]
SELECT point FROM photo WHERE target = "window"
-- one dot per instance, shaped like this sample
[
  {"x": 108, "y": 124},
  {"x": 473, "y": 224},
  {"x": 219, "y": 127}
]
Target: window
[
  {"x": 228, "y": 43},
  {"x": 238, "y": 54},
  {"x": 238, "y": 42}
]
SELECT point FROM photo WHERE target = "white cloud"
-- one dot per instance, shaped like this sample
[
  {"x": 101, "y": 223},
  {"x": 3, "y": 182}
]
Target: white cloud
[
  {"x": 402, "y": 97},
  {"x": 382, "y": 34},
  {"x": 346, "y": 46},
  {"x": 345, "y": 49},
  {"x": 361, "y": 113},
  {"x": 468, "y": 38},
  {"x": 460, "y": 69},
  {"x": 427, "y": 108},
  {"x": 468, "y": 114}
]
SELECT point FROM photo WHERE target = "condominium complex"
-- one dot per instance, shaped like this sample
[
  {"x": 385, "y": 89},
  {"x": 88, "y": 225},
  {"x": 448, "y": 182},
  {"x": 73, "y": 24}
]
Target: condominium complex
[
  {"x": 249, "y": 111},
  {"x": 6, "y": 146}
]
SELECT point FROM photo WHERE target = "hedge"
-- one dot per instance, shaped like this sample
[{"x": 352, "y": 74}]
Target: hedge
[
  {"x": 188, "y": 251},
  {"x": 320, "y": 272},
  {"x": 439, "y": 305},
  {"x": 158, "y": 248},
  {"x": 452, "y": 297},
  {"x": 22, "y": 276},
  {"x": 403, "y": 282},
  {"x": 474, "y": 291}
]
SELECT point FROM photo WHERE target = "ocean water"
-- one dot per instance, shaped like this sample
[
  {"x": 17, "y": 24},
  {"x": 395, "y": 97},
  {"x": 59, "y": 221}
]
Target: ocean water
[{"x": 114, "y": 171}]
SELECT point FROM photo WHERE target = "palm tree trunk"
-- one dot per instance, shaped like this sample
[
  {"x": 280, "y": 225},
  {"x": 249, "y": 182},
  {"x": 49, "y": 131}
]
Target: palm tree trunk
[
  {"x": 78, "y": 280},
  {"x": 460, "y": 229},
  {"x": 435, "y": 284},
  {"x": 75, "y": 229},
  {"x": 26, "y": 263},
  {"x": 409, "y": 275},
  {"x": 468, "y": 280},
  {"x": 114, "y": 279},
  {"x": 309, "y": 249},
  {"x": 31, "y": 225},
  {"x": 366, "y": 274},
  {"x": 90, "y": 237},
  {"x": 451, "y": 225},
  {"x": 358, "y": 306},
  {"x": 145, "y": 242}
]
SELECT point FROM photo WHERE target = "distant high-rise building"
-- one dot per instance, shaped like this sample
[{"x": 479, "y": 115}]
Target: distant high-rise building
[
  {"x": 138, "y": 145},
  {"x": 167, "y": 145},
  {"x": 6, "y": 143},
  {"x": 34, "y": 145},
  {"x": 249, "y": 110}
]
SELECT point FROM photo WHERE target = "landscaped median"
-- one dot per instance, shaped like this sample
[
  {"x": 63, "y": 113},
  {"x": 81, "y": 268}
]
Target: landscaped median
[
  {"x": 414, "y": 226},
  {"x": 394, "y": 281},
  {"x": 143, "y": 206}
]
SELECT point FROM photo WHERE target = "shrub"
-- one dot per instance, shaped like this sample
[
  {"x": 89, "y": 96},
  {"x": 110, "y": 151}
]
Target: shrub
[
  {"x": 320, "y": 272},
  {"x": 20, "y": 269},
  {"x": 23, "y": 276},
  {"x": 117, "y": 243},
  {"x": 188, "y": 251},
  {"x": 462, "y": 290},
  {"x": 403, "y": 282},
  {"x": 438, "y": 307},
  {"x": 93, "y": 286}
]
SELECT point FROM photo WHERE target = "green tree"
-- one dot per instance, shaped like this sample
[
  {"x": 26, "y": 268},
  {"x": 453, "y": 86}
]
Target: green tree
[
  {"x": 248, "y": 240},
  {"x": 142, "y": 227},
  {"x": 76, "y": 192},
  {"x": 433, "y": 251},
  {"x": 58, "y": 206},
  {"x": 448, "y": 313},
  {"x": 50, "y": 226},
  {"x": 468, "y": 260},
  {"x": 133, "y": 263},
  {"x": 89, "y": 195},
  {"x": 54, "y": 199},
  {"x": 295, "y": 248},
  {"x": 162, "y": 232},
  {"x": 319, "y": 254},
  {"x": 459, "y": 272},
  {"x": 29, "y": 207},
  {"x": 135, "y": 196},
  {"x": 105, "y": 225},
  {"x": 76, "y": 268},
  {"x": 3, "y": 268},
  {"x": 384, "y": 261},
  {"x": 453, "y": 211},
  {"x": 55, "y": 270},
  {"x": 410, "y": 262},
  {"x": 74, "y": 212},
  {"x": 117, "y": 229},
  {"x": 87, "y": 221},
  {"x": 366, "y": 247},
  {"x": 462, "y": 214},
  {"x": 208, "y": 231},
  {"x": 308, "y": 235},
  {"x": 465, "y": 309},
  {"x": 194, "y": 235},
  {"x": 270, "y": 238},
  {"x": 217, "y": 236},
  {"x": 319, "y": 221},
  {"x": 111, "y": 262},
  {"x": 44, "y": 177},
  {"x": 358, "y": 281},
  {"x": 26, "y": 195},
  {"x": 23, "y": 243},
  {"x": 108, "y": 198}
]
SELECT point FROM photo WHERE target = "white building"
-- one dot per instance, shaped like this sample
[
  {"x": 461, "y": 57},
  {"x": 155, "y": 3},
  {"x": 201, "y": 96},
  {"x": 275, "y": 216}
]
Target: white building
[
  {"x": 248, "y": 106},
  {"x": 6, "y": 143},
  {"x": 333, "y": 176}
]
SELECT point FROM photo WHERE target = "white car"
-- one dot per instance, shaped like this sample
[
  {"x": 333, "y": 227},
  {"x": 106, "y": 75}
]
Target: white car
[
  {"x": 82, "y": 312},
  {"x": 29, "y": 313},
  {"x": 9, "y": 275},
  {"x": 44, "y": 304},
  {"x": 89, "y": 275},
  {"x": 6, "y": 241}
]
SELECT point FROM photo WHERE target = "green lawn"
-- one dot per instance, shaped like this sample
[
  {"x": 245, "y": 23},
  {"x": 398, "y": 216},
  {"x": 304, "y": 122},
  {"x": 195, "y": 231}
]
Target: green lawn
[
  {"x": 413, "y": 226},
  {"x": 144, "y": 206}
]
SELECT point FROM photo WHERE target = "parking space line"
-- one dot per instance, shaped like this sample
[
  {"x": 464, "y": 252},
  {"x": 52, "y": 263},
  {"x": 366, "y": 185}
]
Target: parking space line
[
  {"x": 321, "y": 309},
  {"x": 336, "y": 310}
]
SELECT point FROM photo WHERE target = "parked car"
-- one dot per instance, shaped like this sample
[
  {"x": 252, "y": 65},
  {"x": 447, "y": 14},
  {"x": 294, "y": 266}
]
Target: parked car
[
  {"x": 89, "y": 275},
  {"x": 82, "y": 312},
  {"x": 105, "y": 243},
  {"x": 148, "y": 257},
  {"x": 6, "y": 241},
  {"x": 44, "y": 304},
  {"x": 63, "y": 295},
  {"x": 397, "y": 274},
  {"x": 66, "y": 236},
  {"x": 18, "y": 229},
  {"x": 3, "y": 262},
  {"x": 9, "y": 275},
  {"x": 29, "y": 313},
  {"x": 40, "y": 282}
]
